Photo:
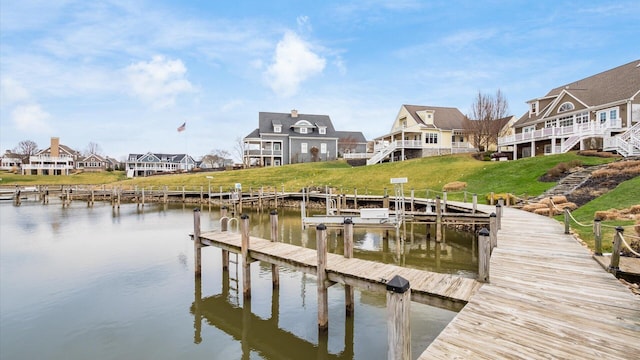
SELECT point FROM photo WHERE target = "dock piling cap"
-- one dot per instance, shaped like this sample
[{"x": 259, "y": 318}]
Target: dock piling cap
[{"x": 398, "y": 284}]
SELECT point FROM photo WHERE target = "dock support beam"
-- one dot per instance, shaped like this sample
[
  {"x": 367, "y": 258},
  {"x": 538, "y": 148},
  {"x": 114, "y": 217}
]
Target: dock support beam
[
  {"x": 246, "y": 263},
  {"x": 224, "y": 223},
  {"x": 614, "y": 265},
  {"x": 438, "y": 220},
  {"x": 597, "y": 231},
  {"x": 348, "y": 253},
  {"x": 323, "y": 300},
  {"x": 484, "y": 255},
  {"x": 197, "y": 250},
  {"x": 275, "y": 274},
  {"x": 398, "y": 318}
]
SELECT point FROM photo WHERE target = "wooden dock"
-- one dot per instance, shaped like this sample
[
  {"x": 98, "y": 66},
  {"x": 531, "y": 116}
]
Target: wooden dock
[
  {"x": 441, "y": 290},
  {"x": 547, "y": 299}
]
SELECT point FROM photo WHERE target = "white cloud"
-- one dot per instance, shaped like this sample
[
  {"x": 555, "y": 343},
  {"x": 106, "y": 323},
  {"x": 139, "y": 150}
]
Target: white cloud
[
  {"x": 294, "y": 62},
  {"x": 30, "y": 117},
  {"x": 11, "y": 92},
  {"x": 158, "y": 81}
]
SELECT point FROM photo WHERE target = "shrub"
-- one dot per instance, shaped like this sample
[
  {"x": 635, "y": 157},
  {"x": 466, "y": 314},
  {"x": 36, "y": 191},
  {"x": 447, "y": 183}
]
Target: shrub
[
  {"x": 453, "y": 186},
  {"x": 563, "y": 167}
]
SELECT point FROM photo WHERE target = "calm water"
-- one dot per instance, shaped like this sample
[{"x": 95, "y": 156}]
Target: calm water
[{"x": 81, "y": 283}]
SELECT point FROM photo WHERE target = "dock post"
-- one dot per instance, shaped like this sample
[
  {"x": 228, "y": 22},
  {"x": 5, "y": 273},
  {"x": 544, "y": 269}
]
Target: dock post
[
  {"x": 491, "y": 199},
  {"x": 508, "y": 199},
  {"x": 119, "y": 192},
  {"x": 246, "y": 263},
  {"x": 475, "y": 203},
  {"x": 566, "y": 221},
  {"x": 493, "y": 231},
  {"x": 614, "y": 265},
  {"x": 93, "y": 196},
  {"x": 438, "y": 220},
  {"x": 165, "y": 195},
  {"x": 275, "y": 274},
  {"x": 484, "y": 255},
  {"x": 499, "y": 216},
  {"x": 197, "y": 250},
  {"x": 323, "y": 300},
  {"x": 398, "y": 318},
  {"x": 224, "y": 221},
  {"x": 143, "y": 196},
  {"x": 413, "y": 200},
  {"x": 348, "y": 253},
  {"x": 385, "y": 200},
  {"x": 597, "y": 231},
  {"x": 201, "y": 194},
  {"x": 355, "y": 198},
  {"x": 444, "y": 200}
]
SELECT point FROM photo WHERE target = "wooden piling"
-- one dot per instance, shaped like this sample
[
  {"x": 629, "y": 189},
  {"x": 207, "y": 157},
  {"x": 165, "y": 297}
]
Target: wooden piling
[
  {"x": 246, "y": 263},
  {"x": 444, "y": 200},
  {"x": 412, "y": 200},
  {"x": 275, "y": 274},
  {"x": 197, "y": 248},
  {"x": 438, "y": 220},
  {"x": 398, "y": 318},
  {"x": 348, "y": 253},
  {"x": 493, "y": 231},
  {"x": 355, "y": 198},
  {"x": 323, "y": 301},
  {"x": 484, "y": 255},
  {"x": 499, "y": 216},
  {"x": 475, "y": 203},
  {"x": 224, "y": 222},
  {"x": 566, "y": 221},
  {"x": 597, "y": 232},
  {"x": 614, "y": 265}
]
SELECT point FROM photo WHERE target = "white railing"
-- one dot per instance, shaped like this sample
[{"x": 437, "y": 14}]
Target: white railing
[
  {"x": 382, "y": 153},
  {"x": 46, "y": 166},
  {"x": 356, "y": 155},
  {"x": 590, "y": 128},
  {"x": 569, "y": 143}
]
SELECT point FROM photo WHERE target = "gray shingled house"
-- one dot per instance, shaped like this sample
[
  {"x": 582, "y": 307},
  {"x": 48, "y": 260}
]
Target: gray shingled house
[{"x": 289, "y": 138}]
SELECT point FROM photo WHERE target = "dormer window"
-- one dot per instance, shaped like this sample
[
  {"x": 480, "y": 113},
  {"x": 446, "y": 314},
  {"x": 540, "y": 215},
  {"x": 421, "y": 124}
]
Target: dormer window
[
  {"x": 567, "y": 106},
  {"x": 303, "y": 126},
  {"x": 277, "y": 128},
  {"x": 303, "y": 130},
  {"x": 534, "y": 108},
  {"x": 322, "y": 130}
]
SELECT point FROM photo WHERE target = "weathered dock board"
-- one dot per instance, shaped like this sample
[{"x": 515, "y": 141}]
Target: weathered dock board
[
  {"x": 441, "y": 290},
  {"x": 547, "y": 299}
]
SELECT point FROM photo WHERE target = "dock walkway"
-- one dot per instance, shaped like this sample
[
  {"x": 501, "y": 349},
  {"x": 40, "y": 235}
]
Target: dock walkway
[
  {"x": 436, "y": 289},
  {"x": 547, "y": 299}
]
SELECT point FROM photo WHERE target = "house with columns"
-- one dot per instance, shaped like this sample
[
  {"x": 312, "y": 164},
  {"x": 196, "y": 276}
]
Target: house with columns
[{"x": 598, "y": 112}]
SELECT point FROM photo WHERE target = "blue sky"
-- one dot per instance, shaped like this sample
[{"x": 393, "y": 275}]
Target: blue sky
[{"x": 125, "y": 74}]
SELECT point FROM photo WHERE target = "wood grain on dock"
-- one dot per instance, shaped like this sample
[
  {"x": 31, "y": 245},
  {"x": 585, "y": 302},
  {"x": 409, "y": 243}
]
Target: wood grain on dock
[
  {"x": 436, "y": 289},
  {"x": 547, "y": 299}
]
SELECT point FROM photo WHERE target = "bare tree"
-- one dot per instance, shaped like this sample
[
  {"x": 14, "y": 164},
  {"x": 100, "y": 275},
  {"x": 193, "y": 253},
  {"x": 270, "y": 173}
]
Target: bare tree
[
  {"x": 239, "y": 150},
  {"x": 481, "y": 124},
  {"x": 347, "y": 144},
  {"x": 25, "y": 149},
  {"x": 93, "y": 148},
  {"x": 216, "y": 158}
]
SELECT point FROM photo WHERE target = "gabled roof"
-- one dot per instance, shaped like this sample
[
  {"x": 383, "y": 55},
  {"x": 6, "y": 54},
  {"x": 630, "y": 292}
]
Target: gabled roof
[
  {"x": 62, "y": 148},
  {"x": 615, "y": 85},
  {"x": 170, "y": 158},
  {"x": 356, "y": 135},
  {"x": 446, "y": 118},
  {"x": 96, "y": 156},
  {"x": 266, "y": 120}
]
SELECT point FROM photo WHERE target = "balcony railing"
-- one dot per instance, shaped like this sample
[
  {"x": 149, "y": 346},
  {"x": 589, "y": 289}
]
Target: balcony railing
[{"x": 591, "y": 128}]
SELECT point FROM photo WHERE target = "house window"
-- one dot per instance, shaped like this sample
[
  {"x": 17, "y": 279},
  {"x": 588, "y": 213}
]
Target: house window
[
  {"x": 582, "y": 118},
  {"x": 528, "y": 129},
  {"x": 322, "y": 130},
  {"x": 431, "y": 138},
  {"x": 303, "y": 148},
  {"x": 277, "y": 128},
  {"x": 613, "y": 114},
  {"x": 276, "y": 162},
  {"x": 565, "y": 121},
  {"x": 603, "y": 117},
  {"x": 303, "y": 130},
  {"x": 567, "y": 106},
  {"x": 323, "y": 148},
  {"x": 534, "y": 108},
  {"x": 276, "y": 146},
  {"x": 547, "y": 148},
  {"x": 403, "y": 122},
  {"x": 551, "y": 123}
]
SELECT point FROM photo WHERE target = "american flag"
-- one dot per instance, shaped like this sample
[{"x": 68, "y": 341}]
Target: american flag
[{"x": 182, "y": 127}]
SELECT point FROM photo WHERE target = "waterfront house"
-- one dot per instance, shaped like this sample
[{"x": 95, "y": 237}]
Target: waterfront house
[
  {"x": 289, "y": 138},
  {"x": 94, "y": 163},
  {"x": 57, "y": 159},
  {"x": 157, "y": 163},
  {"x": 421, "y": 131},
  {"x": 10, "y": 161},
  {"x": 598, "y": 112}
]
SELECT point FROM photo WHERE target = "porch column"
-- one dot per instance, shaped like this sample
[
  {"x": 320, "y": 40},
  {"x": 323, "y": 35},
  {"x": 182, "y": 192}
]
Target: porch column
[
  {"x": 515, "y": 151},
  {"x": 533, "y": 148}
]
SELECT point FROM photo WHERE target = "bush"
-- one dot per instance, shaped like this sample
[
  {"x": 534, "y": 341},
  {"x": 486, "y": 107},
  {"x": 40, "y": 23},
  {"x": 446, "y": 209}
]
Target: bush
[
  {"x": 453, "y": 186},
  {"x": 512, "y": 198},
  {"x": 561, "y": 168}
]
